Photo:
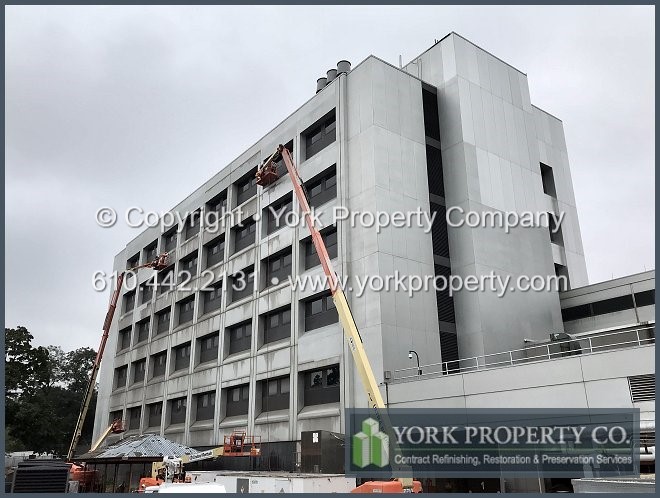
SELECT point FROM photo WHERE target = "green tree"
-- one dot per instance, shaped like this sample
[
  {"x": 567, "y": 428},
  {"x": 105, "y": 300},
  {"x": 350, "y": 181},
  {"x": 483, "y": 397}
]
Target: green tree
[{"x": 45, "y": 387}]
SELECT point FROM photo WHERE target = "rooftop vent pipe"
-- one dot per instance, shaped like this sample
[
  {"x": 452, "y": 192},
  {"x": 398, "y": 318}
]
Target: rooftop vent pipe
[
  {"x": 343, "y": 67},
  {"x": 320, "y": 83},
  {"x": 332, "y": 74}
]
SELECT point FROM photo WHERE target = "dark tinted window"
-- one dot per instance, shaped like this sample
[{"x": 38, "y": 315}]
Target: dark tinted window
[
  {"x": 322, "y": 188},
  {"x": 276, "y": 214},
  {"x": 244, "y": 236},
  {"x": 215, "y": 251},
  {"x": 146, "y": 292},
  {"x": 278, "y": 268},
  {"x": 321, "y": 386},
  {"x": 275, "y": 394},
  {"x": 213, "y": 297},
  {"x": 189, "y": 265},
  {"x": 155, "y": 411},
  {"x": 205, "y": 405},
  {"x": 186, "y": 310},
  {"x": 192, "y": 224},
  {"x": 603, "y": 307},
  {"x": 242, "y": 284},
  {"x": 139, "y": 369},
  {"x": 320, "y": 135},
  {"x": 548, "y": 178},
  {"x": 134, "y": 415},
  {"x": 133, "y": 262},
  {"x": 320, "y": 311},
  {"x": 181, "y": 357},
  {"x": 120, "y": 376},
  {"x": 645, "y": 298},
  {"x": 178, "y": 411},
  {"x": 218, "y": 203},
  {"x": 431, "y": 119},
  {"x": 124, "y": 340},
  {"x": 151, "y": 252},
  {"x": 129, "y": 301},
  {"x": 277, "y": 325},
  {"x": 142, "y": 331},
  {"x": 329, "y": 235},
  {"x": 166, "y": 279},
  {"x": 208, "y": 348},
  {"x": 246, "y": 187},
  {"x": 240, "y": 337},
  {"x": 163, "y": 321},
  {"x": 158, "y": 364},
  {"x": 237, "y": 400},
  {"x": 169, "y": 239}
]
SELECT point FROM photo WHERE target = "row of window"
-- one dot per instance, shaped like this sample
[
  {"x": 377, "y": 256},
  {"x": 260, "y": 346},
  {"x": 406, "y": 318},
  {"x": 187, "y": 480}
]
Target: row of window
[
  {"x": 319, "y": 311},
  {"x": 321, "y": 189},
  {"x": 319, "y": 386},
  {"x": 276, "y": 269},
  {"x": 612, "y": 305}
]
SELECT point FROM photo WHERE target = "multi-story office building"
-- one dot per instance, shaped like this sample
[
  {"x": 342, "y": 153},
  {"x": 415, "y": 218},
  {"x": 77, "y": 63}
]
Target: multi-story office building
[{"x": 237, "y": 346}]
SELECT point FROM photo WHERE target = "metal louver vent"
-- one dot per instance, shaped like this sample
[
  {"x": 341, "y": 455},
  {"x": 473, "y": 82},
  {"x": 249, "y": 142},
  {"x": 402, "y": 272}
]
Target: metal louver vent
[{"x": 642, "y": 387}]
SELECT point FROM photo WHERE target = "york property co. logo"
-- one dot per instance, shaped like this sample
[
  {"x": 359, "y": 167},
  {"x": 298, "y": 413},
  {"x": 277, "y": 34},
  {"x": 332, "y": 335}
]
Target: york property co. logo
[{"x": 371, "y": 446}]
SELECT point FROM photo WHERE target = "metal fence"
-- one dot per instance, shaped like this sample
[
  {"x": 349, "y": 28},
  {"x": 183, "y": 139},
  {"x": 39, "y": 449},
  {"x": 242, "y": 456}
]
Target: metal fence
[{"x": 534, "y": 352}]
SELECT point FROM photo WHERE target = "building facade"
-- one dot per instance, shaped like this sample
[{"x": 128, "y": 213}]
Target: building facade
[{"x": 226, "y": 342}]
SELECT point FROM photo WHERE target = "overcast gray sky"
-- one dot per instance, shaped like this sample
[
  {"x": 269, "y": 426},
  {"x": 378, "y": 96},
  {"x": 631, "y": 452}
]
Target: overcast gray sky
[{"x": 123, "y": 106}]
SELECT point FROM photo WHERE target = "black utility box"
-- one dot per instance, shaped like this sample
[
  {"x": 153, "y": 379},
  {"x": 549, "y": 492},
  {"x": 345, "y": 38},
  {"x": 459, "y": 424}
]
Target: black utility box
[{"x": 322, "y": 452}]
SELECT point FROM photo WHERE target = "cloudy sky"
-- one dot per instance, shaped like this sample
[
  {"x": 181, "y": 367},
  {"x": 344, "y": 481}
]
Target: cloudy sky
[{"x": 123, "y": 106}]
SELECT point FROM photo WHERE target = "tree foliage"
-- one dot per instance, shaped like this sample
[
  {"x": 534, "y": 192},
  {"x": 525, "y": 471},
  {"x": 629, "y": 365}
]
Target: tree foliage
[{"x": 45, "y": 387}]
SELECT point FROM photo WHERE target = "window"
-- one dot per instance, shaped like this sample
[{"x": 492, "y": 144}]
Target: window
[
  {"x": 322, "y": 188},
  {"x": 155, "y": 411},
  {"x": 242, "y": 284},
  {"x": 321, "y": 386},
  {"x": 275, "y": 394},
  {"x": 219, "y": 203},
  {"x": 279, "y": 165},
  {"x": 134, "y": 415},
  {"x": 189, "y": 265},
  {"x": 186, "y": 310},
  {"x": 129, "y": 301},
  {"x": 439, "y": 234},
  {"x": 596, "y": 308},
  {"x": 215, "y": 251},
  {"x": 205, "y": 406},
  {"x": 163, "y": 321},
  {"x": 319, "y": 312},
  {"x": 178, "y": 411},
  {"x": 277, "y": 325},
  {"x": 133, "y": 262},
  {"x": 213, "y": 298},
  {"x": 329, "y": 235},
  {"x": 237, "y": 400},
  {"x": 139, "y": 368},
  {"x": 192, "y": 224},
  {"x": 240, "y": 337},
  {"x": 158, "y": 364},
  {"x": 208, "y": 347},
  {"x": 246, "y": 187},
  {"x": 124, "y": 339},
  {"x": 115, "y": 415},
  {"x": 142, "y": 331},
  {"x": 434, "y": 172},
  {"x": 120, "y": 376},
  {"x": 276, "y": 214},
  {"x": 320, "y": 135},
  {"x": 278, "y": 268},
  {"x": 431, "y": 119},
  {"x": 169, "y": 239},
  {"x": 181, "y": 357},
  {"x": 244, "y": 235},
  {"x": 548, "y": 179},
  {"x": 556, "y": 236},
  {"x": 562, "y": 271},
  {"x": 645, "y": 298},
  {"x": 151, "y": 251},
  {"x": 146, "y": 292},
  {"x": 166, "y": 280}
]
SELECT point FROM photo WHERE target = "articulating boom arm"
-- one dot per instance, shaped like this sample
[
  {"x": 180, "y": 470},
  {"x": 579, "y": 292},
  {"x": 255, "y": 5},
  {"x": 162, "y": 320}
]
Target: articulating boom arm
[
  {"x": 158, "y": 264},
  {"x": 346, "y": 317}
]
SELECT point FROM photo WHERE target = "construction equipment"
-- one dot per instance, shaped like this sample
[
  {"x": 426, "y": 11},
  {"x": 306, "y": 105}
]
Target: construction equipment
[
  {"x": 266, "y": 175},
  {"x": 158, "y": 264},
  {"x": 171, "y": 469},
  {"x": 116, "y": 427}
]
